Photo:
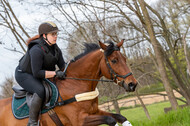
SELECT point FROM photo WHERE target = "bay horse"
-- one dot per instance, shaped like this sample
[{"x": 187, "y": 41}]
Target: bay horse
[{"x": 96, "y": 61}]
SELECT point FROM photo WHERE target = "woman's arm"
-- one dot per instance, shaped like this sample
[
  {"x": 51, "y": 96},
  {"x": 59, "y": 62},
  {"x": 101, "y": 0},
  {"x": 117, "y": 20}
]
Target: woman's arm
[
  {"x": 50, "y": 74},
  {"x": 36, "y": 57}
]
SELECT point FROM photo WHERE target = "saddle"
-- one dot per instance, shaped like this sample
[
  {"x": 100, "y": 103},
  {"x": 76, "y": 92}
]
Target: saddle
[
  {"x": 20, "y": 98},
  {"x": 19, "y": 92}
]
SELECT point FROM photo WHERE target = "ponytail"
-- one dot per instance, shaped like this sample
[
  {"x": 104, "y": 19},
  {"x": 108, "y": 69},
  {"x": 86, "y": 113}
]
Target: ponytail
[{"x": 31, "y": 39}]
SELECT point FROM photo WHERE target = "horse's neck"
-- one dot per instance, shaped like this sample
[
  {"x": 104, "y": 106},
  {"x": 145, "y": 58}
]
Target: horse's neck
[{"x": 87, "y": 67}]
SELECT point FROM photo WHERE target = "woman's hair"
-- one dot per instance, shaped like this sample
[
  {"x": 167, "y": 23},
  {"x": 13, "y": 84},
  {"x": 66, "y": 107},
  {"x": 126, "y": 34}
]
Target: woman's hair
[{"x": 31, "y": 39}]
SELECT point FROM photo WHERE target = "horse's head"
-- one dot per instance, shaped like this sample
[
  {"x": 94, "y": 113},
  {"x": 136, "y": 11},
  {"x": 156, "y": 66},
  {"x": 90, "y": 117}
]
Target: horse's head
[{"x": 114, "y": 66}]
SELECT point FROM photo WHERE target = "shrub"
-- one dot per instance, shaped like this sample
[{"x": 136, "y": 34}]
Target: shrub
[{"x": 6, "y": 88}]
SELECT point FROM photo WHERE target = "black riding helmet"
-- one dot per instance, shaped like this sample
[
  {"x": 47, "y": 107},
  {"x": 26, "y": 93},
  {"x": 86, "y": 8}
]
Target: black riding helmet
[{"x": 47, "y": 27}]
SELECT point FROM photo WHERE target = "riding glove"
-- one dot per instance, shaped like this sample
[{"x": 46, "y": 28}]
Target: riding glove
[{"x": 60, "y": 74}]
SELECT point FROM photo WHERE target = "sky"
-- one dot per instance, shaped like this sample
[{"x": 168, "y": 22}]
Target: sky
[{"x": 9, "y": 60}]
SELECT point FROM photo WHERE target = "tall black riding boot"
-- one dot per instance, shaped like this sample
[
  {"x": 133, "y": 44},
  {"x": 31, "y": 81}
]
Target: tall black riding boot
[{"x": 34, "y": 104}]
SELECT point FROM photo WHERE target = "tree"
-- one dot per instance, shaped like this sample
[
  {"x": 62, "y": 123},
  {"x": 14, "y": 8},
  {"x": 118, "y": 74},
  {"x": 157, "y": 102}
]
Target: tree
[
  {"x": 7, "y": 88},
  {"x": 10, "y": 21},
  {"x": 159, "y": 55},
  {"x": 172, "y": 19}
]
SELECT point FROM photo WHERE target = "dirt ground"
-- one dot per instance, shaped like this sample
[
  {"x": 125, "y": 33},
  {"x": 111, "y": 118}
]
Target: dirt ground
[{"x": 147, "y": 99}]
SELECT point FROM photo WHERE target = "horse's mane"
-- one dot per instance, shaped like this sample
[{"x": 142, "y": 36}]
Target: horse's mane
[
  {"x": 90, "y": 47},
  {"x": 110, "y": 48}
]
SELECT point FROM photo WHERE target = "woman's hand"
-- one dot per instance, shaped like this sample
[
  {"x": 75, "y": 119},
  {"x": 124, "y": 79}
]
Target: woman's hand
[{"x": 60, "y": 74}]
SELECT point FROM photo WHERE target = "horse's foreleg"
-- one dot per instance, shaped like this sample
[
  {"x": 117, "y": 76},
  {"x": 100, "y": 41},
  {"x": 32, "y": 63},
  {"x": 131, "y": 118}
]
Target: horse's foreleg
[
  {"x": 95, "y": 120},
  {"x": 119, "y": 118}
]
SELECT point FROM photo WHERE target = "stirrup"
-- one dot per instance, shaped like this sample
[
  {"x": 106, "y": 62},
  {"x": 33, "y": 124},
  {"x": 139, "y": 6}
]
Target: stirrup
[{"x": 34, "y": 123}]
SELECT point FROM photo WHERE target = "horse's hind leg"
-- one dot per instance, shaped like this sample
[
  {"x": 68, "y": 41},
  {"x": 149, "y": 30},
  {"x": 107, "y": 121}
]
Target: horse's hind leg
[{"x": 95, "y": 120}]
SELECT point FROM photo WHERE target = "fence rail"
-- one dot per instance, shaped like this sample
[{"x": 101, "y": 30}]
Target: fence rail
[{"x": 131, "y": 102}]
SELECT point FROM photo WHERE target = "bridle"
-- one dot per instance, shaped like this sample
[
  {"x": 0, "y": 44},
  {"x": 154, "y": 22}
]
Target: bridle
[{"x": 113, "y": 74}]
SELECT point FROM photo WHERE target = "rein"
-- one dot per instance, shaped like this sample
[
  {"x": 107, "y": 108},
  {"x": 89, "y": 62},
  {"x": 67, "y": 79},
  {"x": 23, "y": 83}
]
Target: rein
[
  {"x": 88, "y": 79},
  {"x": 85, "y": 79}
]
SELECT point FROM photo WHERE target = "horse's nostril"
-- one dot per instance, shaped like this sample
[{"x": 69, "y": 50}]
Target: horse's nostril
[{"x": 132, "y": 86}]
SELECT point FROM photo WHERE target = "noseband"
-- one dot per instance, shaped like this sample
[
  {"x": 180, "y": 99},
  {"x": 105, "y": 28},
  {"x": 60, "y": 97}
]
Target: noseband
[{"x": 113, "y": 74}]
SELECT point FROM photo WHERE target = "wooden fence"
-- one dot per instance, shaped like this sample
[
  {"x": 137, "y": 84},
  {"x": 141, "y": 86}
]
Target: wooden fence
[{"x": 131, "y": 102}]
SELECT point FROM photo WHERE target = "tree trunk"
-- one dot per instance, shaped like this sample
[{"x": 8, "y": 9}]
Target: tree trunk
[
  {"x": 183, "y": 89},
  {"x": 159, "y": 55},
  {"x": 176, "y": 78},
  {"x": 116, "y": 106},
  {"x": 143, "y": 105}
]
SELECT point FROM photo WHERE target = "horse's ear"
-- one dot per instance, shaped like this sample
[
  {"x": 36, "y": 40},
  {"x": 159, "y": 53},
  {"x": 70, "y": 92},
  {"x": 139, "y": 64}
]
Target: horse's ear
[
  {"x": 102, "y": 45},
  {"x": 120, "y": 43}
]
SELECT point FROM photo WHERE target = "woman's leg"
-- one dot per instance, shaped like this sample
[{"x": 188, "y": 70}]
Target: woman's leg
[
  {"x": 30, "y": 83},
  {"x": 34, "y": 86}
]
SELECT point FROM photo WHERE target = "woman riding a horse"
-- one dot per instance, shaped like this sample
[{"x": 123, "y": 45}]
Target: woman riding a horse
[
  {"x": 39, "y": 63},
  {"x": 82, "y": 76}
]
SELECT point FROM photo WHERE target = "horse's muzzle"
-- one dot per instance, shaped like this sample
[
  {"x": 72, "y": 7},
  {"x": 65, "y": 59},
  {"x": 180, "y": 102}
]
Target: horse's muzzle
[{"x": 128, "y": 87}]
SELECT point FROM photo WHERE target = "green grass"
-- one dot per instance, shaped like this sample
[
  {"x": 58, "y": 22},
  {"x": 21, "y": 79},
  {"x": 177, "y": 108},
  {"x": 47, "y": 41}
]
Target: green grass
[
  {"x": 137, "y": 116},
  {"x": 181, "y": 117}
]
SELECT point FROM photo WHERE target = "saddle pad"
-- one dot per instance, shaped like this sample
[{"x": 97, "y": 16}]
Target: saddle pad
[{"x": 23, "y": 112}]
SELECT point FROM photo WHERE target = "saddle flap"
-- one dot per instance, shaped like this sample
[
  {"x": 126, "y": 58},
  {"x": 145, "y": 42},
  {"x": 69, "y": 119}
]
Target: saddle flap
[
  {"x": 48, "y": 92},
  {"x": 19, "y": 92}
]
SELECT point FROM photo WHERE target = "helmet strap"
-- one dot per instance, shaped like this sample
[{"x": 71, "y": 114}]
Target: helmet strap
[{"x": 47, "y": 40}]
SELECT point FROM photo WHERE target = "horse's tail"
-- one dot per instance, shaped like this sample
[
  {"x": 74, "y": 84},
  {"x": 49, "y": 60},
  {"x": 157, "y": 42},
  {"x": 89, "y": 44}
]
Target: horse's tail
[{"x": 33, "y": 38}]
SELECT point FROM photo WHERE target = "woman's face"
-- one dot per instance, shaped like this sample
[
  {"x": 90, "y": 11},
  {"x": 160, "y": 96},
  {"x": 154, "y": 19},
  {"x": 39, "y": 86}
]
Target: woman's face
[{"x": 52, "y": 37}]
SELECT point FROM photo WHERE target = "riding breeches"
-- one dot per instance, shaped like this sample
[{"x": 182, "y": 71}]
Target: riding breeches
[{"x": 29, "y": 83}]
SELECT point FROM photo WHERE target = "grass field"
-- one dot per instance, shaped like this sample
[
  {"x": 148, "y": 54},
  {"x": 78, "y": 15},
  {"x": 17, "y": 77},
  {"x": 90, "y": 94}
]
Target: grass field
[
  {"x": 158, "y": 118},
  {"x": 137, "y": 116},
  {"x": 175, "y": 118}
]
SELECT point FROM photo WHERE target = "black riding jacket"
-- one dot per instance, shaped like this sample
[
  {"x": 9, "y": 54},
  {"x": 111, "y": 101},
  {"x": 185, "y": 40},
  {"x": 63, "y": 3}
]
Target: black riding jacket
[{"x": 41, "y": 57}]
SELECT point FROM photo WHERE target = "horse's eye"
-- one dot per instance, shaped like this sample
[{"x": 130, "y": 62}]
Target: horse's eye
[{"x": 114, "y": 61}]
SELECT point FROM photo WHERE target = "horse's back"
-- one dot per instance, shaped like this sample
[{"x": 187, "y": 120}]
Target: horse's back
[
  {"x": 6, "y": 116},
  {"x": 5, "y": 105}
]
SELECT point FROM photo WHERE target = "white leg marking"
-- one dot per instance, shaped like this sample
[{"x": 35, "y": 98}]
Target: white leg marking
[
  {"x": 126, "y": 123},
  {"x": 116, "y": 124}
]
